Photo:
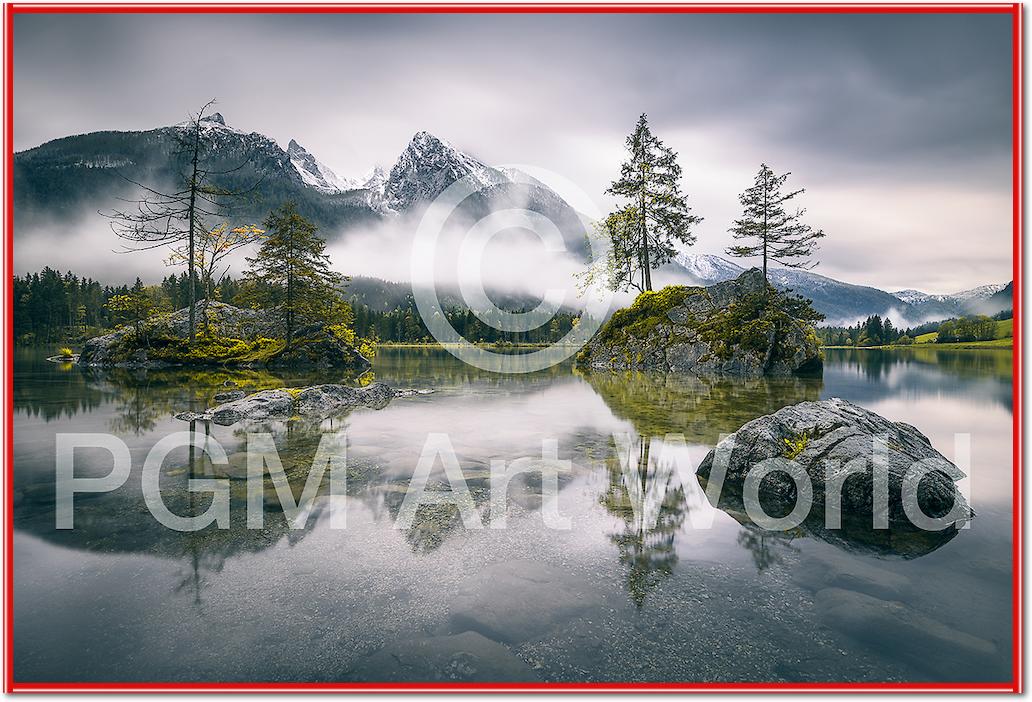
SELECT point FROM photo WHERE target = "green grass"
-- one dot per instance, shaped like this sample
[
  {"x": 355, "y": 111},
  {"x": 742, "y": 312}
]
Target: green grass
[
  {"x": 1005, "y": 343},
  {"x": 1004, "y": 334},
  {"x": 994, "y": 344}
]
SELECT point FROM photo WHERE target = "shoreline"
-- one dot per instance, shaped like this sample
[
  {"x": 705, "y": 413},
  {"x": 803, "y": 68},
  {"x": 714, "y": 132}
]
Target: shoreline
[{"x": 994, "y": 345}]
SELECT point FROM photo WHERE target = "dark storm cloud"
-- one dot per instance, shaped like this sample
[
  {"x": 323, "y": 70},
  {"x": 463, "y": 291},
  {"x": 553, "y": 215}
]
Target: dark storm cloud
[{"x": 865, "y": 109}]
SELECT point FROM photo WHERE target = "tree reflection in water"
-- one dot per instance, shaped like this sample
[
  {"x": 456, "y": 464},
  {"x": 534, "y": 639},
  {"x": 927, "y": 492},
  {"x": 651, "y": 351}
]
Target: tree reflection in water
[{"x": 647, "y": 496}]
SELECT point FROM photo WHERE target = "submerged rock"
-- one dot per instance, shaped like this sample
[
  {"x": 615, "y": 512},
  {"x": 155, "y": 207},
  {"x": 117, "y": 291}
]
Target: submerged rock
[
  {"x": 833, "y": 441},
  {"x": 464, "y": 657},
  {"x": 520, "y": 600},
  {"x": 899, "y": 630},
  {"x": 723, "y": 329},
  {"x": 316, "y": 401}
]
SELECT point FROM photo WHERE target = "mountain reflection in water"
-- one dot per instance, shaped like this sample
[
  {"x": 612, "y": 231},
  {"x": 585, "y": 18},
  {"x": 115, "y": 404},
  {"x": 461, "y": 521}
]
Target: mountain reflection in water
[{"x": 651, "y": 565}]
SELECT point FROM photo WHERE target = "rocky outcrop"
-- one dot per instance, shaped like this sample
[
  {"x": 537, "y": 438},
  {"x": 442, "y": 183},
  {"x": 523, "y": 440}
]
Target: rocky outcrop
[
  {"x": 232, "y": 336},
  {"x": 313, "y": 402},
  {"x": 731, "y": 328},
  {"x": 316, "y": 347},
  {"x": 834, "y": 442}
]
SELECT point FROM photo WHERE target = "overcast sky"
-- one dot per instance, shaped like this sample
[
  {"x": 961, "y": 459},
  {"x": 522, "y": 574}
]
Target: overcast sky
[{"x": 897, "y": 125}]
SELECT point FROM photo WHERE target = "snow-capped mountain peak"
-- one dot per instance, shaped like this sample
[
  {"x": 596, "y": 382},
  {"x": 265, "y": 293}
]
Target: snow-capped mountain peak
[
  {"x": 315, "y": 174},
  {"x": 427, "y": 166},
  {"x": 213, "y": 122},
  {"x": 374, "y": 179}
]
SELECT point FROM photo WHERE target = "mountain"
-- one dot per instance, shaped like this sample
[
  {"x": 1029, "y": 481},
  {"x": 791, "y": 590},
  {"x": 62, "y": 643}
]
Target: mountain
[
  {"x": 917, "y": 297},
  {"x": 982, "y": 292},
  {"x": 845, "y": 303},
  {"x": 1000, "y": 300},
  {"x": 79, "y": 175},
  {"x": 984, "y": 299},
  {"x": 315, "y": 174},
  {"x": 68, "y": 178},
  {"x": 427, "y": 166}
]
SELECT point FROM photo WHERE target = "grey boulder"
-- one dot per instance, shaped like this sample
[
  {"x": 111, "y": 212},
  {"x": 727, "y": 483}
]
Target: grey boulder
[
  {"x": 830, "y": 439},
  {"x": 314, "y": 402}
]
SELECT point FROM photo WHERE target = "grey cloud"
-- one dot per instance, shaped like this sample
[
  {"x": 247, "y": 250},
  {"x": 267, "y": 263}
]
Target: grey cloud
[{"x": 844, "y": 101}]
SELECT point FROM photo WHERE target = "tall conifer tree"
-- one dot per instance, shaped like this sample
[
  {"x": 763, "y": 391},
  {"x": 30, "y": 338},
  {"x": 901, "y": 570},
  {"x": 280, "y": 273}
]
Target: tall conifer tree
[
  {"x": 656, "y": 217},
  {"x": 773, "y": 231},
  {"x": 291, "y": 273}
]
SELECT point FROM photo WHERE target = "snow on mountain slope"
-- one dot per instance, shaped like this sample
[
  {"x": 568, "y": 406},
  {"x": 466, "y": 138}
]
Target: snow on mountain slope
[
  {"x": 213, "y": 122},
  {"x": 982, "y": 292},
  {"x": 315, "y": 174},
  {"x": 912, "y": 296},
  {"x": 841, "y": 303},
  {"x": 707, "y": 268},
  {"x": 427, "y": 166}
]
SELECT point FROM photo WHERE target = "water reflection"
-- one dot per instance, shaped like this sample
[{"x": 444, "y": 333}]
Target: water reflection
[
  {"x": 647, "y": 497},
  {"x": 625, "y": 585},
  {"x": 701, "y": 409},
  {"x": 856, "y": 533},
  {"x": 872, "y": 375}
]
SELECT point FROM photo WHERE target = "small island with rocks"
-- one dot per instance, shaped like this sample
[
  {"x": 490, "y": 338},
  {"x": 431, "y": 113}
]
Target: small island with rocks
[
  {"x": 230, "y": 336},
  {"x": 741, "y": 327},
  {"x": 290, "y": 311}
]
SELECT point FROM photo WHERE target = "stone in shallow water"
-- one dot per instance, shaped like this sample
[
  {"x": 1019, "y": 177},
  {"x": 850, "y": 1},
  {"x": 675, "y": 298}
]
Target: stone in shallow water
[
  {"x": 899, "y": 631},
  {"x": 229, "y": 396},
  {"x": 464, "y": 657},
  {"x": 520, "y": 600},
  {"x": 317, "y": 401},
  {"x": 260, "y": 405},
  {"x": 844, "y": 571},
  {"x": 829, "y": 435}
]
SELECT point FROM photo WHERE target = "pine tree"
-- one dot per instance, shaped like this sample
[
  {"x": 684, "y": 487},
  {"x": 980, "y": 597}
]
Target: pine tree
[
  {"x": 291, "y": 273},
  {"x": 657, "y": 215},
  {"x": 775, "y": 233}
]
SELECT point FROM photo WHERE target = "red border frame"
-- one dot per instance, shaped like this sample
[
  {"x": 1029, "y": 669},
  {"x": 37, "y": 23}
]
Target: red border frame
[{"x": 1013, "y": 9}]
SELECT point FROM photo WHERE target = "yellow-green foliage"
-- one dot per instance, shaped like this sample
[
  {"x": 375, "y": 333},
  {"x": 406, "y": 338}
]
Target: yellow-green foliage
[
  {"x": 795, "y": 445},
  {"x": 215, "y": 349},
  {"x": 648, "y": 310},
  {"x": 366, "y": 347},
  {"x": 65, "y": 352}
]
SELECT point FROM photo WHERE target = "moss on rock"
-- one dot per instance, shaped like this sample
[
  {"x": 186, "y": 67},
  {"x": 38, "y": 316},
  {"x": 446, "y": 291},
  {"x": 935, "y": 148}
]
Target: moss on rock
[{"x": 738, "y": 327}]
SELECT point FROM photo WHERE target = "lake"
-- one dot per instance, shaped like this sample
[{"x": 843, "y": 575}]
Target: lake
[{"x": 680, "y": 591}]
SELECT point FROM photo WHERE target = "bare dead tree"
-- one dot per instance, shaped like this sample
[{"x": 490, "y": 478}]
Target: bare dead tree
[{"x": 176, "y": 218}]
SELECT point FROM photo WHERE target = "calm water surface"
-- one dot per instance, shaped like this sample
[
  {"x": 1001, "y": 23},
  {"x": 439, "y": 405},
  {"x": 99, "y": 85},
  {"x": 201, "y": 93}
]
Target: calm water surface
[{"x": 638, "y": 589}]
